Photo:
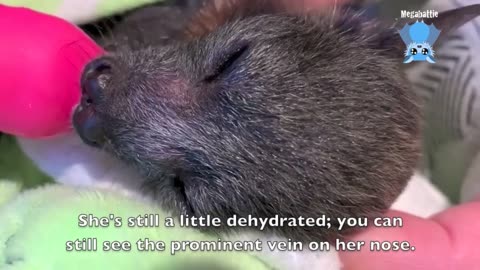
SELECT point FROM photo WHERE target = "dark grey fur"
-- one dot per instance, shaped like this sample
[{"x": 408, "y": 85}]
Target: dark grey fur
[{"x": 268, "y": 115}]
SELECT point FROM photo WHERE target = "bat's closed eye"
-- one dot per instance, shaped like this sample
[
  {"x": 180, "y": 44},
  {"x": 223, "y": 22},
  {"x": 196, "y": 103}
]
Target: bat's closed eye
[{"x": 226, "y": 60}]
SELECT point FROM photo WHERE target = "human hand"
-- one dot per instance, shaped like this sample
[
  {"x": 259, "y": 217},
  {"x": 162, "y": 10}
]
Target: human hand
[{"x": 448, "y": 240}]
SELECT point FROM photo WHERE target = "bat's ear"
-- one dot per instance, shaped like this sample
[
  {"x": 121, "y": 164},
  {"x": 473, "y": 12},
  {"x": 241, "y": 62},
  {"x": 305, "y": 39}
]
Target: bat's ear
[
  {"x": 391, "y": 41},
  {"x": 450, "y": 20}
]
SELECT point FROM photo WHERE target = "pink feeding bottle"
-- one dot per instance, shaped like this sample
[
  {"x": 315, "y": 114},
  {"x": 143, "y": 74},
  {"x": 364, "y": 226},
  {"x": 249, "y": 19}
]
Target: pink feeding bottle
[{"x": 41, "y": 62}]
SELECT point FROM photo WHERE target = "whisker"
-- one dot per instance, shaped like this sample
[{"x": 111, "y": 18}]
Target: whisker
[{"x": 333, "y": 14}]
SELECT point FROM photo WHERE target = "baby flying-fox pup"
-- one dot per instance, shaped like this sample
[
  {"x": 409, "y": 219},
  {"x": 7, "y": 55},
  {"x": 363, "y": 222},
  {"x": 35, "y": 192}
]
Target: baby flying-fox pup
[{"x": 253, "y": 108}]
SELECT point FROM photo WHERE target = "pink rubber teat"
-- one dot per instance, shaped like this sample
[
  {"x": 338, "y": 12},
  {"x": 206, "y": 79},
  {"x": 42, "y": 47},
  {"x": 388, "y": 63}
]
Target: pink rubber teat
[{"x": 41, "y": 61}]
